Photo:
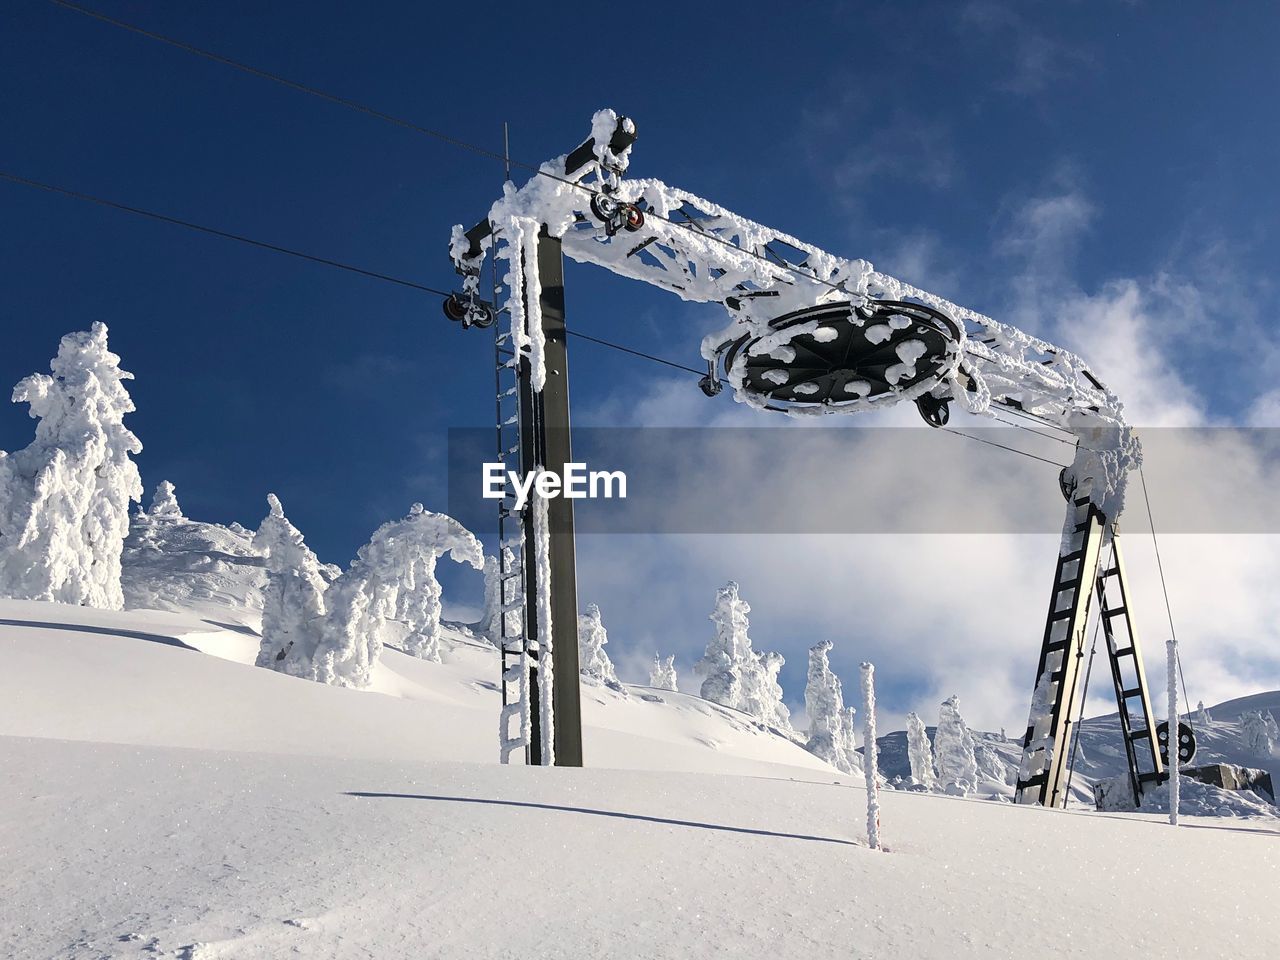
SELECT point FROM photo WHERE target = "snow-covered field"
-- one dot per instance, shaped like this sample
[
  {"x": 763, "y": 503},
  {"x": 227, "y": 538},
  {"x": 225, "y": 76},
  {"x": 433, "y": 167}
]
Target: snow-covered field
[{"x": 166, "y": 801}]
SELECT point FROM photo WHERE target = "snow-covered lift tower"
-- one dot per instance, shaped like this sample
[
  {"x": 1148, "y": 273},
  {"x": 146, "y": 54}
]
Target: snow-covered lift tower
[{"x": 809, "y": 334}]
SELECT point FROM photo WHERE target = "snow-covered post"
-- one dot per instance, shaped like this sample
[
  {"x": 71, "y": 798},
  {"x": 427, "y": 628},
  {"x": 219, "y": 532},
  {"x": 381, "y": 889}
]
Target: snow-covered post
[
  {"x": 542, "y": 597},
  {"x": 1171, "y": 648},
  {"x": 870, "y": 754}
]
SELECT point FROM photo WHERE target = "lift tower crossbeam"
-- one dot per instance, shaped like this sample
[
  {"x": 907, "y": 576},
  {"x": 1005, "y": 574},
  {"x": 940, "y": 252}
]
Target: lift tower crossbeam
[{"x": 811, "y": 333}]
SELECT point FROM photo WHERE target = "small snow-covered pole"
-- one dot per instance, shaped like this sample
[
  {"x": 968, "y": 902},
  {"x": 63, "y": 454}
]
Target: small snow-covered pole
[
  {"x": 870, "y": 754},
  {"x": 546, "y": 652},
  {"x": 1171, "y": 649}
]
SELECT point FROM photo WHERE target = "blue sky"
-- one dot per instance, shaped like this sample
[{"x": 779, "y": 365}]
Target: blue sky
[{"x": 1013, "y": 157}]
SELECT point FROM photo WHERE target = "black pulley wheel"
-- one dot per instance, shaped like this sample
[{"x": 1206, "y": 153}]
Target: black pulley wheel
[
  {"x": 1186, "y": 742},
  {"x": 455, "y": 308},
  {"x": 847, "y": 353}
]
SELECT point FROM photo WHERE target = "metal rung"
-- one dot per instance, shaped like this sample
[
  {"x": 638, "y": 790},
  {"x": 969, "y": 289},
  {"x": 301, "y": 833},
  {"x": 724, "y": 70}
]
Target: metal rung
[
  {"x": 1129, "y": 694},
  {"x": 1115, "y": 611},
  {"x": 1126, "y": 652}
]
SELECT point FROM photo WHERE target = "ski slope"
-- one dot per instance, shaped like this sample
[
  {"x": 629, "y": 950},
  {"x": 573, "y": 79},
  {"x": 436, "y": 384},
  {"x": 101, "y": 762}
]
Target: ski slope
[{"x": 173, "y": 801}]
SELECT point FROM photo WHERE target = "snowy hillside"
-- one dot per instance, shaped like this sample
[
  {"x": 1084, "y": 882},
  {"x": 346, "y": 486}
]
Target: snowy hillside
[
  {"x": 194, "y": 806},
  {"x": 1099, "y": 753},
  {"x": 167, "y": 797},
  {"x": 125, "y": 678}
]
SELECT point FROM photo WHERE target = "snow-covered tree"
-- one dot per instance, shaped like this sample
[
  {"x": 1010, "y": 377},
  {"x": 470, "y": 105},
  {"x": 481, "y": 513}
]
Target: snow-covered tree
[
  {"x": 1203, "y": 719},
  {"x": 919, "y": 752},
  {"x": 662, "y": 674},
  {"x": 400, "y": 557},
  {"x": 1260, "y": 733},
  {"x": 593, "y": 662},
  {"x": 953, "y": 748},
  {"x": 729, "y": 650},
  {"x": 293, "y": 601},
  {"x": 772, "y": 709},
  {"x": 850, "y": 735},
  {"x": 164, "y": 504},
  {"x": 497, "y": 595},
  {"x": 737, "y": 676},
  {"x": 831, "y": 734},
  {"x": 418, "y": 606},
  {"x": 64, "y": 499}
]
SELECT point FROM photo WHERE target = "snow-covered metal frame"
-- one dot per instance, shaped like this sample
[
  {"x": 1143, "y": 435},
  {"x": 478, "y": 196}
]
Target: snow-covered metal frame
[{"x": 869, "y": 340}]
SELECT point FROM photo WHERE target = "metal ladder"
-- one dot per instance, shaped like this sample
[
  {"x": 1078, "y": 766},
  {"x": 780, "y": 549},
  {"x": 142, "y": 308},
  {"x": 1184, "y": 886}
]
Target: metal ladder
[
  {"x": 518, "y": 660},
  {"x": 1042, "y": 776},
  {"x": 1080, "y": 574},
  {"x": 1137, "y": 722}
]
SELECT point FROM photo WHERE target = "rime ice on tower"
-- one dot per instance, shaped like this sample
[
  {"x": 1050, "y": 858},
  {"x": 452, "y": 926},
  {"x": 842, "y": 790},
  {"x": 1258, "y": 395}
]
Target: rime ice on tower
[
  {"x": 594, "y": 664},
  {"x": 831, "y": 723},
  {"x": 64, "y": 499},
  {"x": 293, "y": 601},
  {"x": 1202, "y": 715},
  {"x": 953, "y": 749},
  {"x": 399, "y": 560},
  {"x": 920, "y": 753},
  {"x": 662, "y": 674},
  {"x": 491, "y": 625}
]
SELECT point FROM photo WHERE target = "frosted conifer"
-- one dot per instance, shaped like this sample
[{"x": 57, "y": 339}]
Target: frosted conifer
[
  {"x": 919, "y": 752},
  {"x": 953, "y": 748},
  {"x": 64, "y": 499}
]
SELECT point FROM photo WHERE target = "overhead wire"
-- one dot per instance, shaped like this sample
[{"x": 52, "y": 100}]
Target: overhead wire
[
  {"x": 440, "y": 135},
  {"x": 212, "y": 231},
  {"x": 377, "y": 275},
  {"x": 300, "y": 254},
  {"x": 385, "y": 277},
  {"x": 992, "y": 443},
  {"x": 536, "y": 169}
]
